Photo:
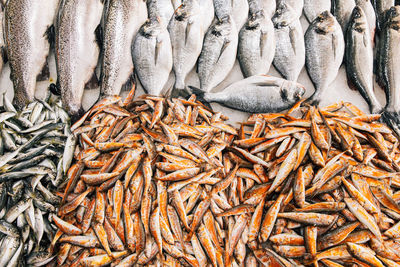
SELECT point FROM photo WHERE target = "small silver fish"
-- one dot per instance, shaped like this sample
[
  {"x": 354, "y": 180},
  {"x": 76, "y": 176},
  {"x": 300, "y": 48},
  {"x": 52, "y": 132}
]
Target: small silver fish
[
  {"x": 249, "y": 95},
  {"x": 324, "y": 52}
]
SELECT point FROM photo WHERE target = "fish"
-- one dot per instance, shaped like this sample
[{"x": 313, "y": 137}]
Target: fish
[
  {"x": 257, "y": 89},
  {"x": 381, "y": 6},
  {"x": 389, "y": 52},
  {"x": 240, "y": 11},
  {"x": 161, "y": 10},
  {"x": 27, "y": 52},
  {"x": 207, "y": 9},
  {"x": 218, "y": 53},
  {"x": 152, "y": 56},
  {"x": 359, "y": 58},
  {"x": 312, "y": 9},
  {"x": 122, "y": 23},
  {"x": 76, "y": 50},
  {"x": 290, "y": 52},
  {"x": 342, "y": 10},
  {"x": 3, "y": 53},
  {"x": 296, "y": 5},
  {"x": 186, "y": 31},
  {"x": 370, "y": 16},
  {"x": 269, "y": 6},
  {"x": 256, "y": 48},
  {"x": 324, "y": 52}
]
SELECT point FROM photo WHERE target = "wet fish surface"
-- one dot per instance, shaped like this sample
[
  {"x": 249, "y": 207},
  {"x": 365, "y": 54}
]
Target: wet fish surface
[
  {"x": 289, "y": 56},
  {"x": 77, "y": 50},
  {"x": 26, "y": 32},
  {"x": 161, "y": 10},
  {"x": 313, "y": 8},
  {"x": 381, "y": 6},
  {"x": 296, "y": 5},
  {"x": 324, "y": 52},
  {"x": 123, "y": 20},
  {"x": 342, "y": 10}
]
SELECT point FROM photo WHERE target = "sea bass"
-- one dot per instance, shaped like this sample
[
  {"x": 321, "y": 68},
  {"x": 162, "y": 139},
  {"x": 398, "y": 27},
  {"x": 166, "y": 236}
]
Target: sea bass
[
  {"x": 250, "y": 94},
  {"x": 122, "y": 22},
  {"x": 187, "y": 33},
  {"x": 381, "y": 6},
  {"x": 324, "y": 52},
  {"x": 26, "y": 33},
  {"x": 389, "y": 60},
  {"x": 312, "y": 8},
  {"x": 360, "y": 58},
  {"x": 76, "y": 49},
  {"x": 218, "y": 54},
  {"x": 290, "y": 50},
  {"x": 152, "y": 56},
  {"x": 342, "y": 10},
  {"x": 256, "y": 48},
  {"x": 369, "y": 14}
]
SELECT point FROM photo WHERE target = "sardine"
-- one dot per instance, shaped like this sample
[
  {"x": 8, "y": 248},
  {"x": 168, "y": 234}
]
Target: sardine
[
  {"x": 76, "y": 49},
  {"x": 256, "y": 48},
  {"x": 360, "y": 58},
  {"x": 290, "y": 52},
  {"x": 250, "y": 94},
  {"x": 313, "y": 8},
  {"x": 324, "y": 52},
  {"x": 186, "y": 30},
  {"x": 27, "y": 34},
  {"x": 218, "y": 54},
  {"x": 152, "y": 56},
  {"x": 389, "y": 51},
  {"x": 342, "y": 10},
  {"x": 122, "y": 23}
]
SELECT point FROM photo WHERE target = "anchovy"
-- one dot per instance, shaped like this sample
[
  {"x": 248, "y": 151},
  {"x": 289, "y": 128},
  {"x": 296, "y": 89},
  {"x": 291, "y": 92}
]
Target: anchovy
[
  {"x": 122, "y": 23},
  {"x": 218, "y": 54},
  {"x": 152, "y": 56},
  {"x": 27, "y": 36},
  {"x": 186, "y": 30},
  {"x": 342, "y": 10},
  {"x": 256, "y": 48},
  {"x": 324, "y": 52},
  {"x": 389, "y": 51},
  {"x": 290, "y": 50},
  {"x": 249, "y": 94},
  {"x": 312, "y": 8},
  {"x": 360, "y": 58},
  {"x": 76, "y": 50}
]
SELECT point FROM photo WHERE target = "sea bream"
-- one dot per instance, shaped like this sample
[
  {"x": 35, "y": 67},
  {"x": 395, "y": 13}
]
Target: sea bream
[
  {"x": 360, "y": 58},
  {"x": 290, "y": 50},
  {"x": 256, "y": 48},
  {"x": 218, "y": 54},
  {"x": 27, "y": 25},
  {"x": 123, "y": 20},
  {"x": 312, "y": 8},
  {"x": 297, "y": 5},
  {"x": 342, "y": 10},
  {"x": 324, "y": 52},
  {"x": 269, "y": 7},
  {"x": 390, "y": 70},
  {"x": 77, "y": 50},
  {"x": 186, "y": 30},
  {"x": 250, "y": 94},
  {"x": 152, "y": 56},
  {"x": 161, "y": 10},
  {"x": 207, "y": 10}
]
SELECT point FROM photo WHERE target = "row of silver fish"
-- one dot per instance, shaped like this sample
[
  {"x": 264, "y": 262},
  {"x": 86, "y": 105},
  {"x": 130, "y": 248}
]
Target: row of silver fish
[{"x": 36, "y": 149}]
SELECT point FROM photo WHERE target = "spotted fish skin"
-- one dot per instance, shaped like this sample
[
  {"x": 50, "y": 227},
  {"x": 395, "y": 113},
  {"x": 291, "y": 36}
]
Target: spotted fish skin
[{"x": 26, "y": 26}]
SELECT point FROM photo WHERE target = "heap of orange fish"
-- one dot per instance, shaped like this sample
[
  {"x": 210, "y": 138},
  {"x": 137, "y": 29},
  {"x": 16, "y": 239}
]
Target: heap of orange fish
[{"x": 169, "y": 181}]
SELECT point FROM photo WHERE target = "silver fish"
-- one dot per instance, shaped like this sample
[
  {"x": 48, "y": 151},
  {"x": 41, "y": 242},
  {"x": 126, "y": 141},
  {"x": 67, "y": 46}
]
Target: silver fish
[
  {"x": 381, "y": 6},
  {"x": 187, "y": 33},
  {"x": 324, "y": 52},
  {"x": 26, "y": 26},
  {"x": 7, "y": 249},
  {"x": 290, "y": 50},
  {"x": 161, "y": 10},
  {"x": 218, "y": 54},
  {"x": 360, "y": 58},
  {"x": 369, "y": 14},
  {"x": 223, "y": 8},
  {"x": 389, "y": 60},
  {"x": 152, "y": 56},
  {"x": 342, "y": 10},
  {"x": 240, "y": 11},
  {"x": 76, "y": 49},
  {"x": 122, "y": 23},
  {"x": 256, "y": 48},
  {"x": 297, "y": 5},
  {"x": 249, "y": 94},
  {"x": 269, "y": 7},
  {"x": 207, "y": 10},
  {"x": 312, "y": 8}
]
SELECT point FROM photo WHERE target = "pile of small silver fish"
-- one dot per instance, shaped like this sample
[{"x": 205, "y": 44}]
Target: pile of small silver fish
[
  {"x": 36, "y": 149},
  {"x": 167, "y": 181}
]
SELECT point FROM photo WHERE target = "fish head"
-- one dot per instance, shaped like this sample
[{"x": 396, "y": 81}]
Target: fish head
[
  {"x": 324, "y": 23},
  {"x": 292, "y": 91},
  {"x": 151, "y": 27},
  {"x": 222, "y": 27},
  {"x": 181, "y": 13},
  {"x": 254, "y": 20},
  {"x": 393, "y": 18},
  {"x": 284, "y": 15},
  {"x": 358, "y": 20}
]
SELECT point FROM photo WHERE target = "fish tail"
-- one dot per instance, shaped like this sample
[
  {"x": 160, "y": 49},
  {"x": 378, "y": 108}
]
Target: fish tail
[{"x": 200, "y": 94}]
